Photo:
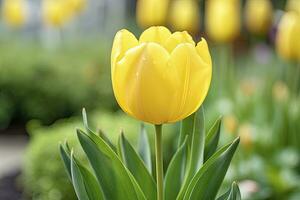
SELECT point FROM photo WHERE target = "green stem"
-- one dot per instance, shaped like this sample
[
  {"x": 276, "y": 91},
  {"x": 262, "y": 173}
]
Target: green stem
[
  {"x": 159, "y": 161},
  {"x": 296, "y": 79}
]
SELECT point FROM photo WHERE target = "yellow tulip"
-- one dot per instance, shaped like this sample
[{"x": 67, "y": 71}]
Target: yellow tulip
[
  {"x": 222, "y": 20},
  {"x": 230, "y": 124},
  {"x": 280, "y": 92},
  {"x": 246, "y": 132},
  {"x": 151, "y": 12},
  {"x": 14, "y": 12},
  {"x": 162, "y": 77},
  {"x": 293, "y": 5},
  {"x": 288, "y": 36},
  {"x": 56, "y": 12},
  {"x": 77, "y": 5},
  {"x": 185, "y": 15},
  {"x": 258, "y": 16}
]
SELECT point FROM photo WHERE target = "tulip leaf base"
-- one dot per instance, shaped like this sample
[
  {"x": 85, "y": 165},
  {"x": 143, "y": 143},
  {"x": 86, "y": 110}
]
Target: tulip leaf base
[{"x": 120, "y": 172}]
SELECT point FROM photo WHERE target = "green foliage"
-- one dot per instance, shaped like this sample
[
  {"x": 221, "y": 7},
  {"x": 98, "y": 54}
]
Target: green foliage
[
  {"x": 48, "y": 84},
  {"x": 45, "y": 179},
  {"x": 124, "y": 175},
  {"x": 262, "y": 108}
]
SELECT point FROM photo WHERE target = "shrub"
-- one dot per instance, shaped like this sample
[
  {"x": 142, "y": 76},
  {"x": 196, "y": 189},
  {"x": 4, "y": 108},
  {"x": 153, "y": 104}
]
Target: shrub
[{"x": 37, "y": 83}]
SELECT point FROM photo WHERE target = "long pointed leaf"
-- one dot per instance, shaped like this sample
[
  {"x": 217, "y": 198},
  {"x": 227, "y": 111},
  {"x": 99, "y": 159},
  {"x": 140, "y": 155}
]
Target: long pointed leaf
[
  {"x": 212, "y": 139},
  {"x": 78, "y": 182},
  {"x": 136, "y": 166},
  {"x": 206, "y": 183},
  {"x": 107, "y": 140},
  {"x": 235, "y": 193},
  {"x": 144, "y": 148},
  {"x": 65, "y": 155},
  {"x": 85, "y": 121},
  {"x": 174, "y": 175},
  {"x": 113, "y": 176},
  {"x": 85, "y": 184},
  {"x": 232, "y": 194},
  {"x": 196, "y": 140}
]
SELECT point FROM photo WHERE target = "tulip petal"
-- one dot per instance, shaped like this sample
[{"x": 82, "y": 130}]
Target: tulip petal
[
  {"x": 176, "y": 39},
  {"x": 193, "y": 77},
  {"x": 288, "y": 36},
  {"x": 203, "y": 51},
  {"x": 145, "y": 83},
  {"x": 157, "y": 34},
  {"x": 123, "y": 41}
]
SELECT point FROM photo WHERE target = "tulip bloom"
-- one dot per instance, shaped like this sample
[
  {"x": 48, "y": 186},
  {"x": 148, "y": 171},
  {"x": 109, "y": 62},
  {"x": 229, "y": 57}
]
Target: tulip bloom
[
  {"x": 288, "y": 36},
  {"x": 14, "y": 12},
  {"x": 258, "y": 16},
  {"x": 185, "y": 15},
  {"x": 162, "y": 77},
  {"x": 151, "y": 12},
  {"x": 293, "y": 5},
  {"x": 56, "y": 12},
  {"x": 222, "y": 20},
  {"x": 77, "y": 5}
]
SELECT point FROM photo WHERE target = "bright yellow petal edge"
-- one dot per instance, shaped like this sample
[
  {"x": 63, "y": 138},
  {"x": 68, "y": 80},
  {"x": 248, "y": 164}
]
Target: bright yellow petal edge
[{"x": 162, "y": 77}]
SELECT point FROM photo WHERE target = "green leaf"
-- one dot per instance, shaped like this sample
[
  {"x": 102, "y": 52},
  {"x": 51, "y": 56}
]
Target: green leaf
[
  {"x": 232, "y": 194},
  {"x": 116, "y": 181},
  {"x": 136, "y": 166},
  {"x": 78, "y": 182},
  {"x": 85, "y": 121},
  {"x": 186, "y": 129},
  {"x": 197, "y": 144},
  {"x": 174, "y": 175},
  {"x": 206, "y": 183},
  {"x": 144, "y": 148},
  {"x": 212, "y": 139},
  {"x": 65, "y": 155},
  {"x": 107, "y": 140},
  {"x": 196, "y": 140},
  {"x": 85, "y": 184}
]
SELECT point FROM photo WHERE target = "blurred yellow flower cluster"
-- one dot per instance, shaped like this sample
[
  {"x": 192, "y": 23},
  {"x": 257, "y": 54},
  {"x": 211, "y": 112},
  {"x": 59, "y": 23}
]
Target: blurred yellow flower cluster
[
  {"x": 223, "y": 20},
  {"x": 54, "y": 12},
  {"x": 185, "y": 15},
  {"x": 258, "y": 16},
  {"x": 288, "y": 36},
  {"x": 160, "y": 77},
  {"x": 58, "y": 12},
  {"x": 14, "y": 12},
  {"x": 180, "y": 14},
  {"x": 151, "y": 12}
]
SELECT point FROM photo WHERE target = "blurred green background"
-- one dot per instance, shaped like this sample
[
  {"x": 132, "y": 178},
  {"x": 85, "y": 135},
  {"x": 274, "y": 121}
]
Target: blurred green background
[{"x": 55, "y": 60}]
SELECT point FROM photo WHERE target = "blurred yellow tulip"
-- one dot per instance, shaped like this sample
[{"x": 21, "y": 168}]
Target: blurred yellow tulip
[
  {"x": 246, "y": 134},
  {"x": 77, "y": 5},
  {"x": 288, "y": 36},
  {"x": 151, "y": 12},
  {"x": 280, "y": 91},
  {"x": 14, "y": 12},
  {"x": 230, "y": 123},
  {"x": 293, "y": 5},
  {"x": 162, "y": 77},
  {"x": 258, "y": 16},
  {"x": 185, "y": 15},
  {"x": 56, "y": 12},
  {"x": 222, "y": 20}
]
